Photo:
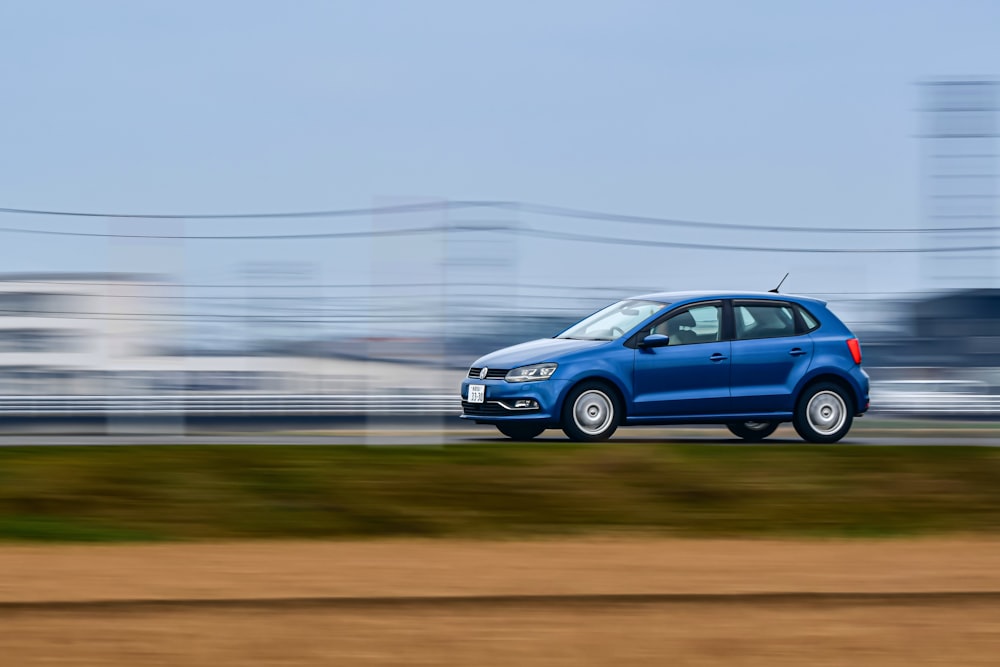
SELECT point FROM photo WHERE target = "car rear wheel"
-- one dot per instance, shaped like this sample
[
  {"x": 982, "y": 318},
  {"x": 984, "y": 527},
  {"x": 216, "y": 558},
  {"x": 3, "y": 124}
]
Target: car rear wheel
[
  {"x": 823, "y": 413},
  {"x": 752, "y": 431},
  {"x": 591, "y": 412},
  {"x": 520, "y": 431}
]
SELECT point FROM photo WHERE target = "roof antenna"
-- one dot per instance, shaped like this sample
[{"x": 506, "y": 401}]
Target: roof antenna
[{"x": 775, "y": 290}]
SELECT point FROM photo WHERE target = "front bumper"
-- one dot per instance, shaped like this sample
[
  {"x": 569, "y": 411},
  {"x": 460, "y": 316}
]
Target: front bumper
[{"x": 501, "y": 396}]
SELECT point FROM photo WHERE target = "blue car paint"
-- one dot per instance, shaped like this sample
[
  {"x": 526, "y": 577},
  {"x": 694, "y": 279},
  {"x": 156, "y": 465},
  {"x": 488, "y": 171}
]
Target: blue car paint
[
  {"x": 765, "y": 372},
  {"x": 742, "y": 386},
  {"x": 681, "y": 380}
]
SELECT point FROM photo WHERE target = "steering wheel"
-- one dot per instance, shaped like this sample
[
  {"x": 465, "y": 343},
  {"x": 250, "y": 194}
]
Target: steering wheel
[{"x": 621, "y": 332}]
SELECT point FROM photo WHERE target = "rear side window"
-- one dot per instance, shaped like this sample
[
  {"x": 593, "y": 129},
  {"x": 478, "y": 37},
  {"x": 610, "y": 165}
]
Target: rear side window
[
  {"x": 811, "y": 322},
  {"x": 764, "y": 320}
]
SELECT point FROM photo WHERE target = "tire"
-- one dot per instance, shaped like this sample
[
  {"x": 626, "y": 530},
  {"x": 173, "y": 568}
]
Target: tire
[
  {"x": 752, "y": 431},
  {"x": 520, "y": 431},
  {"x": 824, "y": 413},
  {"x": 591, "y": 412}
]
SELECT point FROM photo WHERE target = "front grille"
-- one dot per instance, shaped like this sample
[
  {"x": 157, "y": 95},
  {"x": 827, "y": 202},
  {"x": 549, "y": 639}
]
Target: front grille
[
  {"x": 488, "y": 409},
  {"x": 491, "y": 374}
]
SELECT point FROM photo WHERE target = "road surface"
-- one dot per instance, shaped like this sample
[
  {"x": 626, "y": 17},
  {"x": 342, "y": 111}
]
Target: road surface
[{"x": 986, "y": 436}]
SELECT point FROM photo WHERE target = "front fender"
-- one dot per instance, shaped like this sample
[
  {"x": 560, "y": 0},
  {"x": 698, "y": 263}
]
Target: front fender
[{"x": 616, "y": 370}]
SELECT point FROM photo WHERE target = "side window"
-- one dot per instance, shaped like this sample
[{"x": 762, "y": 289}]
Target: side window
[
  {"x": 764, "y": 321},
  {"x": 700, "y": 324},
  {"x": 811, "y": 322}
]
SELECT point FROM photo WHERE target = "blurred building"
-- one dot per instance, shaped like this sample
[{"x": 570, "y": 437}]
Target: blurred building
[
  {"x": 123, "y": 334},
  {"x": 958, "y": 330},
  {"x": 961, "y": 174},
  {"x": 65, "y": 331}
]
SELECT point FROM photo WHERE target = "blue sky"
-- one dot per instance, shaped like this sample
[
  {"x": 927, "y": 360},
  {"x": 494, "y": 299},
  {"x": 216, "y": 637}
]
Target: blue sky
[{"x": 787, "y": 113}]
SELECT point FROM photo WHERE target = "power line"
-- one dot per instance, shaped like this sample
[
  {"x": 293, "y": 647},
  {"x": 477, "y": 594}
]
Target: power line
[
  {"x": 414, "y": 231},
  {"x": 329, "y": 213},
  {"x": 612, "y": 240},
  {"x": 621, "y": 289},
  {"x": 4, "y": 280},
  {"x": 449, "y": 205},
  {"x": 307, "y": 316},
  {"x": 512, "y": 229},
  {"x": 584, "y": 214}
]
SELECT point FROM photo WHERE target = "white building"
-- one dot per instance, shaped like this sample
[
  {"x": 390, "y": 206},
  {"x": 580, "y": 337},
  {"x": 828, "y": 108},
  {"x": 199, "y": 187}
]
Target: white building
[
  {"x": 64, "y": 332},
  {"x": 107, "y": 334}
]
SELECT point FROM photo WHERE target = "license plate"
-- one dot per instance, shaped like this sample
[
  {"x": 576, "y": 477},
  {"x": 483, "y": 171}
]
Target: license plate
[{"x": 477, "y": 393}]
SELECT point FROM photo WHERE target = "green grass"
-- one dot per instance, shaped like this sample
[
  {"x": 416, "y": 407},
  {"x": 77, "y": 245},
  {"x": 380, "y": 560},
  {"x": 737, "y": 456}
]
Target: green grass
[{"x": 502, "y": 490}]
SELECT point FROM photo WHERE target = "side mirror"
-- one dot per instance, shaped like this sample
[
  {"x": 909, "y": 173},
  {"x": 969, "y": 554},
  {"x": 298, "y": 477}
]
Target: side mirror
[{"x": 654, "y": 340}]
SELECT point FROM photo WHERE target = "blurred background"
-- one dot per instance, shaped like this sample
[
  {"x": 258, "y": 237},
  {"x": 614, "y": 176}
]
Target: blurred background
[{"x": 329, "y": 210}]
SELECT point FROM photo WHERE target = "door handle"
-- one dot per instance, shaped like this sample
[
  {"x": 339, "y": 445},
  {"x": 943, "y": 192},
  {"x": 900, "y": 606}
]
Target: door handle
[
  {"x": 797, "y": 352},
  {"x": 717, "y": 357}
]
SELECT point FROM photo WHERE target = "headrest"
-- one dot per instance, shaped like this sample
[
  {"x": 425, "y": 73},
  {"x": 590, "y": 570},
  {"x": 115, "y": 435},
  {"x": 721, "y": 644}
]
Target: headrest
[{"x": 685, "y": 319}]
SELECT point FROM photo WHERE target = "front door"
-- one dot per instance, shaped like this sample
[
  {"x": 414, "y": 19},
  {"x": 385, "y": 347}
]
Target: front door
[{"x": 690, "y": 376}]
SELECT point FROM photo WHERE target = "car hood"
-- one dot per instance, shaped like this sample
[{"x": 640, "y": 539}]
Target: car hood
[{"x": 535, "y": 352}]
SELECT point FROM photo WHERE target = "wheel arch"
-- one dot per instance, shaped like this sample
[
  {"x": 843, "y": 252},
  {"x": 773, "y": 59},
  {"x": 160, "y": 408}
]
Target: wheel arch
[
  {"x": 607, "y": 381},
  {"x": 834, "y": 378}
]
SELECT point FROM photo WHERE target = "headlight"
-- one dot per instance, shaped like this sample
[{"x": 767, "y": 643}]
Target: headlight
[{"x": 531, "y": 373}]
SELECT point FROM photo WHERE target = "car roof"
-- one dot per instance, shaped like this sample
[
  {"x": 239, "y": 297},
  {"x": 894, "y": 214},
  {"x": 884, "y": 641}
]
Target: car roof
[{"x": 680, "y": 297}]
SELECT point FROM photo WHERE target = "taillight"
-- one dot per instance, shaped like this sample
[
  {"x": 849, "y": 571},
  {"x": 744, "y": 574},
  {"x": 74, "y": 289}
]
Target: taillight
[{"x": 855, "y": 347}]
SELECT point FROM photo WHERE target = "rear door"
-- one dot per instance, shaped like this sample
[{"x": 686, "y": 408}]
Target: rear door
[
  {"x": 771, "y": 351},
  {"x": 691, "y": 375}
]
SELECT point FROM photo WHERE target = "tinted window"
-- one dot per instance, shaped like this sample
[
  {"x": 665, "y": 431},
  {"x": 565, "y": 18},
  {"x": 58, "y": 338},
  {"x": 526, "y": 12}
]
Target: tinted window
[
  {"x": 700, "y": 324},
  {"x": 810, "y": 321},
  {"x": 764, "y": 321}
]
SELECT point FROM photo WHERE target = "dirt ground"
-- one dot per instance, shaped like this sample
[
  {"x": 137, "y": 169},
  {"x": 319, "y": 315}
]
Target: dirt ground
[{"x": 694, "y": 602}]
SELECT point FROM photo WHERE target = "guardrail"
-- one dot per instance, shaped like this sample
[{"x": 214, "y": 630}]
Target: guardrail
[
  {"x": 231, "y": 405},
  {"x": 931, "y": 404},
  {"x": 936, "y": 404}
]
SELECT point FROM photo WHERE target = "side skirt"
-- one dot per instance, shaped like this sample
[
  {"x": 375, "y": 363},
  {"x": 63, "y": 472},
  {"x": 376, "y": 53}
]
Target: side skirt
[{"x": 709, "y": 419}]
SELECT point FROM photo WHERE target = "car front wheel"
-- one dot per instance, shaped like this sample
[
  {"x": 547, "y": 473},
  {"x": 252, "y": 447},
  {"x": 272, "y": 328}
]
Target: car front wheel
[
  {"x": 591, "y": 413},
  {"x": 823, "y": 413},
  {"x": 752, "y": 431},
  {"x": 520, "y": 431}
]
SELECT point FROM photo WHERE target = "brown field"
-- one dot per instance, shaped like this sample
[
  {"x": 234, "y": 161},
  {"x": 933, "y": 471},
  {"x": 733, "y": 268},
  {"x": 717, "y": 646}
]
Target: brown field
[{"x": 679, "y": 602}]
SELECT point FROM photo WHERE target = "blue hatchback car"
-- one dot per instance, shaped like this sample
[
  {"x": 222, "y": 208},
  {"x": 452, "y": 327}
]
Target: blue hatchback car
[{"x": 747, "y": 360}]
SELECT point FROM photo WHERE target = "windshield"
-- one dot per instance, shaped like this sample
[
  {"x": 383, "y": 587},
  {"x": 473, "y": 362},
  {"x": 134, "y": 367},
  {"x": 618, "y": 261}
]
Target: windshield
[{"x": 612, "y": 322}]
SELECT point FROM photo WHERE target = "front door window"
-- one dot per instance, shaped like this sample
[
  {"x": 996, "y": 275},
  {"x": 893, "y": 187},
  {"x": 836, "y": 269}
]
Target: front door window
[{"x": 700, "y": 324}]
